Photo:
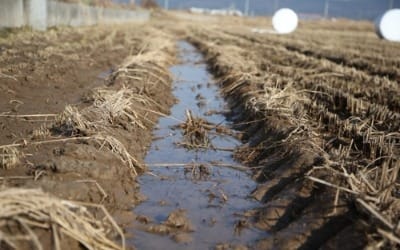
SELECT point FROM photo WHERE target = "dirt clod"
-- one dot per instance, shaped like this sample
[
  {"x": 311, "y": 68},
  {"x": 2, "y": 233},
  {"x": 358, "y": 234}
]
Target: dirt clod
[{"x": 178, "y": 220}]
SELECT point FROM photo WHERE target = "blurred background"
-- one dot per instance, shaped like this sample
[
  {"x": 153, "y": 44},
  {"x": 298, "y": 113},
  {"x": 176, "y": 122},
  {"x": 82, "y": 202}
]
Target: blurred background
[{"x": 354, "y": 9}]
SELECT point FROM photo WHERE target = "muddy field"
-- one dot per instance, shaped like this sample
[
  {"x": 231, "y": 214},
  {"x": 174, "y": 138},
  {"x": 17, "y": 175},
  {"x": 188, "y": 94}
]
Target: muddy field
[{"x": 286, "y": 142}]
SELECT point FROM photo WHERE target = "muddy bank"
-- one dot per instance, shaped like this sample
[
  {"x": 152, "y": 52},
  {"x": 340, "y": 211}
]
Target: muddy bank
[{"x": 91, "y": 149}]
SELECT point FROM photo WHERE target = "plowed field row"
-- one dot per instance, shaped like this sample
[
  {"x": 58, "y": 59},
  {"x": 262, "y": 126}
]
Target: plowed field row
[{"x": 309, "y": 71}]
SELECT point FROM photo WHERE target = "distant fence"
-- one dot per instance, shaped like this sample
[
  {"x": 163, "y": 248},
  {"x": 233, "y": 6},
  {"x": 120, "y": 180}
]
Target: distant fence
[
  {"x": 40, "y": 14},
  {"x": 11, "y": 13}
]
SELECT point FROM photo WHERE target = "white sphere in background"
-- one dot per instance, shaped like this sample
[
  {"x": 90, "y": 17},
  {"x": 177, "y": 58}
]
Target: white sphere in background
[
  {"x": 285, "y": 21},
  {"x": 388, "y": 25}
]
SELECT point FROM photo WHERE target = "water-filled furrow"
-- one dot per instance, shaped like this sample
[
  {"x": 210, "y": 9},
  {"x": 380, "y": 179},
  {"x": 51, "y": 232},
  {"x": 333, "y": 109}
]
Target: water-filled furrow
[{"x": 197, "y": 184}]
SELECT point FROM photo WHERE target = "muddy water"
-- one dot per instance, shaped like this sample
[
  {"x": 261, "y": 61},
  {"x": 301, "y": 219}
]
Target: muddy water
[{"x": 216, "y": 199}]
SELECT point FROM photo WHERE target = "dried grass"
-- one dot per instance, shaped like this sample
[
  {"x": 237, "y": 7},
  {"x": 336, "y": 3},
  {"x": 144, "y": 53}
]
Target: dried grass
[
  {"x": 41, "y": 133},
  {"x": 104, "y": 141},
  {"x": 117, "y": 107},
  {"x": 9, "y": 157},
  {"x": 152, "y": 59},
  {"x": 109, "y": 108},
  {"x": 23, "y": 211},
  {"x": 375, "y": 191},
  {"x": 2, "y": 75},
  {"x": 151, "y": 62},
  {"x": 72, "y": 122},
  {"x": 275, "y": 101},
  {"x": 117, "y": 148},
  {"x": 195, "y": 132}
]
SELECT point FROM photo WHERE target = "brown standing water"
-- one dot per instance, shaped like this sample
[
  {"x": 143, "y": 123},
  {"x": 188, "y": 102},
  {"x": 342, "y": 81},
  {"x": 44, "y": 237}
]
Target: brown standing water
[{"x": 214, "y": 198}]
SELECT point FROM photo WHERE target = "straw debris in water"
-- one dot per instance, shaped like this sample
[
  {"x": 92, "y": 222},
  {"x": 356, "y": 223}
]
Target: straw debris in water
[{"x": 195, "y": 131}]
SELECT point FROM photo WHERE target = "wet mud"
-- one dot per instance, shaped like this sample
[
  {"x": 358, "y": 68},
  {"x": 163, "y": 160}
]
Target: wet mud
[{"x": 79, "y": 133}]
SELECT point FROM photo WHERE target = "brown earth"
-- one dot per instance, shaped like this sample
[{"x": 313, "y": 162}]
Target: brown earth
[
  {"x": 319, "y": 108},
  {"x": 42, "y": 73}
]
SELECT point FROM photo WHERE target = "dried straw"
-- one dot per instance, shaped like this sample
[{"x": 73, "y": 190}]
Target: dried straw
[
  {"x": 72, "y": 122},
  {"x": 374, "y": 191},
  {"x": 9, "y": 157},
  {"x": 104, "y": 141},
  {"x": 41, "y": 133},
  {"x": 113, "y": 107},
  {"x": 110, "y": 108},
  {"x": 195, "y": 131},
  {"x": 119, "y": 150},
  {"x": 31, "y": 209}
]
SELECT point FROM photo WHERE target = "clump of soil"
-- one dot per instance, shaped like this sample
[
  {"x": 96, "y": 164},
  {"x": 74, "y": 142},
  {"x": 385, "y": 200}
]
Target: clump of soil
[{"x": 177, "y": 225}]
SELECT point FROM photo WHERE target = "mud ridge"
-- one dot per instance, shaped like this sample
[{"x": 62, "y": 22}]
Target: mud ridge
[{"x": 92, "y": 151}]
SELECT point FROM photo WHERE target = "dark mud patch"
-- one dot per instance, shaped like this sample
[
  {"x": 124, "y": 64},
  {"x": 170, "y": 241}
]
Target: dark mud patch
[{"x": 201, "y": 181}]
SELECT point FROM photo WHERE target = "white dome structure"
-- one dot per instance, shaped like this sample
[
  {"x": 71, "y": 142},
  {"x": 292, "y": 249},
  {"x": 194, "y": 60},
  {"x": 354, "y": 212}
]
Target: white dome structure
[
  {"x": 387, "y": 26},
  {"x": 285, "y": 21}
]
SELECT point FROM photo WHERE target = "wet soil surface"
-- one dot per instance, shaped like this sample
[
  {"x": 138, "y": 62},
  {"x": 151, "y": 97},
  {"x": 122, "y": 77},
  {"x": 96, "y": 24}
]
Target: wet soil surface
[
  {"x": 207, "y": 199},
  {"x": 42, "y": 73}
]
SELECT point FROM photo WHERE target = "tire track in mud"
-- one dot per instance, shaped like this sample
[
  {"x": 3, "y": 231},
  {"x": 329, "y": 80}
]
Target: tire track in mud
[
  {"x": 284, "y": 149},
  {"x": 332, "y": 103},
  {"x": 359, "y": 59},
  {"x": 308, "y": 69}
]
